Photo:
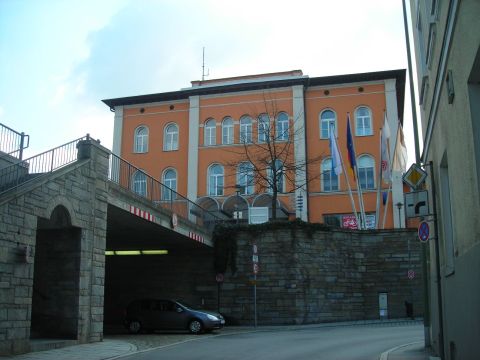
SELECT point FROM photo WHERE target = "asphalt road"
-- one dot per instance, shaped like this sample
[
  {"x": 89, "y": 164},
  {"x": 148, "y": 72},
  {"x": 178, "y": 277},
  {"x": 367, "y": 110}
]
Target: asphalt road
[{"x": 341, "y": 342}]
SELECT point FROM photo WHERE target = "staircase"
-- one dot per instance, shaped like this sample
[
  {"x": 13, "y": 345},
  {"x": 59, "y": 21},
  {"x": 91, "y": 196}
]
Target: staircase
[{"x": 21, "y": 172}]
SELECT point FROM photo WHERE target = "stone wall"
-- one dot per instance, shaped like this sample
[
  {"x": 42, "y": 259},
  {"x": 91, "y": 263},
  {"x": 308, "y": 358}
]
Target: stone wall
[
  {"x": 322, "y": 276},
  {"x": 81, "y": 190}
]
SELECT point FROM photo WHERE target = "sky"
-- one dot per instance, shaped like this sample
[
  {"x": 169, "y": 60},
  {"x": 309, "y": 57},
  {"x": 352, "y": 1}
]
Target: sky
[{"x": 60, "y": 58}]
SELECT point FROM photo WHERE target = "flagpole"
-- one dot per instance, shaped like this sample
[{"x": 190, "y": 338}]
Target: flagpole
[
  {"x": 349, "y": 190},
  {"x": 359, "y": 190},
  {"x": 379, "y": 184},
  {"x": 336, "y": 153},
  {"x": 391, "y": 182}
]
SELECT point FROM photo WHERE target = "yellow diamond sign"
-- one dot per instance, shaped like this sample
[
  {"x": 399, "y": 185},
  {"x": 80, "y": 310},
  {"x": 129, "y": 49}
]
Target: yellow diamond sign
[{"x": 415, "y": 176}]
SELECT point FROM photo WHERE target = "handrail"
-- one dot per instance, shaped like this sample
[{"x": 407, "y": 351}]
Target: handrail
[
  {"x": 138, "y": 181},
  {"x": 13, "y": 142},
  {"x": 25, "y": 170}
]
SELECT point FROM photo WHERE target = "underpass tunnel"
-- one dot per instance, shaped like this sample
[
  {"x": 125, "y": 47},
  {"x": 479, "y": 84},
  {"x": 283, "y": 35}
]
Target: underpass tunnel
[
  {"x": 146, "y": 260},
  {"x": 56, "y": 278}
]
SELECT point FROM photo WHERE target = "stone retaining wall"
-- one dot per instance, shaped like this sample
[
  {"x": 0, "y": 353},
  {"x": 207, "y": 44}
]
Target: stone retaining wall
[{"x": 323, "y": 276}]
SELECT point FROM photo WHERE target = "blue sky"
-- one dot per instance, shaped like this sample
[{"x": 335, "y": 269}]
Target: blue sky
[{"x": 59, "y": 59}]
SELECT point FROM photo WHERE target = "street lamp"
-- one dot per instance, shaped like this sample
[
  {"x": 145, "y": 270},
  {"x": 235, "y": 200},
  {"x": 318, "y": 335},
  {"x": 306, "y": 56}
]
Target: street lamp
[{"x": 399, "y": 207}]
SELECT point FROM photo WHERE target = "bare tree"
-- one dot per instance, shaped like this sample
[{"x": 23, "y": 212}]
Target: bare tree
[{"x": 266, "y": 159}]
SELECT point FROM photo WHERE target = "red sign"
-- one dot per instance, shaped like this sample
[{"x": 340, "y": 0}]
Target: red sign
[
  {"x": 255, "y": 259},
  {"x": 423, "y": 231},
  {"x": 349, "y": 222}
]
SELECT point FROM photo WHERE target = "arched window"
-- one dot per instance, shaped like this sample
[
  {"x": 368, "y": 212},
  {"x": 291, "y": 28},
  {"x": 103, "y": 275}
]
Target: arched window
[
  {"x": 140, "y": 183},
  {"x": 276, "y": 167},
  {"x": 328, "y": 119},
  {"x": 245, "y": 129},
  {"x": 366, "y": 172},
  {"x": 282, "y": 127},
  {"x": 245, "y": 178},
  {"x": 170, "y": 137},
  {"x": 363, "y": 121},
  {"x": 215, "y": 180},
  {"x": 263, "y": 128},
  {"x": 227, "y": 131},
  {"x": 170, "y": 182},
  {"x": 329, "y": 178},
  {"x": 141, "y": 140},
  {"x": 210, "y": 133}
]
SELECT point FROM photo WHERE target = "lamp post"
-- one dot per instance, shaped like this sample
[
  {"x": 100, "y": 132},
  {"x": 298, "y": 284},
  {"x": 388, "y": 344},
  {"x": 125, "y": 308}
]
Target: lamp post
[{"x": 399, "y": 207}]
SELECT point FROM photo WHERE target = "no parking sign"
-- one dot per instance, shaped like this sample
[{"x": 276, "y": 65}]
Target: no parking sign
[{"x": 423, "y": 231}]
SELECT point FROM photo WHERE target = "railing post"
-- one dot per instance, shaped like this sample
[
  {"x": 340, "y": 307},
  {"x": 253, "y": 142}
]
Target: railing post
[
  {"x": 51, "y": 163},
  {"x": 22, "y": 142}
]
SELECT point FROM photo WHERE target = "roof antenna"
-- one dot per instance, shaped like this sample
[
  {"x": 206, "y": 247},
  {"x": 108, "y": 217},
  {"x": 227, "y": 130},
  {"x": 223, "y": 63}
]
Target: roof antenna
[{"x": 203, "y": 66}]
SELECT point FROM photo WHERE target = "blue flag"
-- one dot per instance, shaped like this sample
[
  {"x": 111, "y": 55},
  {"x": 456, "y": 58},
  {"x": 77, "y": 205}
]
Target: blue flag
[{"x": 351, "y": 151}]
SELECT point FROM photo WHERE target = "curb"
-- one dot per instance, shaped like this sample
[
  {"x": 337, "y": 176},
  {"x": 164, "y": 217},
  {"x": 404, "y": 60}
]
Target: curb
[{"x": 384, "y": 355}]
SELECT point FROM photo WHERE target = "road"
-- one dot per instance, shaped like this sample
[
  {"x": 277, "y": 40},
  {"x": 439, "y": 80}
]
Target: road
[{"x": 314, "y": 343}]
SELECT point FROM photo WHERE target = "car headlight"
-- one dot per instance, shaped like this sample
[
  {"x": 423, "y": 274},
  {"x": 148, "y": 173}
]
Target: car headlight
[{"x": 213, "y": 318}]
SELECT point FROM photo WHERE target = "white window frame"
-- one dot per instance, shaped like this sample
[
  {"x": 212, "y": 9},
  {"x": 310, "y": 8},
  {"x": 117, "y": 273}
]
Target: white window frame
[
  {"x": 139, "y": 185},
  {"x": 328, "y": 173},
  {"x": 270, "y": 175},
  {"x": 360, "y": 122},
  {"x": 282, "y": 127},
  {"x": 227, "y": 131},
  {"x": 329, "y": 122},
  {"x": 246, "y": 129},
  {"x": 170, "y": 183},
  {"x": 140, "y": 140},
  {"x": 215, "y": 181},
  {"x": 210, "y": 133},
  {"x": 360, "y": 167},
  {"x": 245, "y": 178},
  {"x": 263, "y": 125},
  {"x": 170, "y": 137}
]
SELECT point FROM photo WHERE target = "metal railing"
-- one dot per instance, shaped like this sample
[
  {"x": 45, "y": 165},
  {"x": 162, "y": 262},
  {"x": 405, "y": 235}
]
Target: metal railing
[
  {"x": 12, "y": 142},
  {"x": 136, "y": 180},
  {"x": 26, "y": 170}
]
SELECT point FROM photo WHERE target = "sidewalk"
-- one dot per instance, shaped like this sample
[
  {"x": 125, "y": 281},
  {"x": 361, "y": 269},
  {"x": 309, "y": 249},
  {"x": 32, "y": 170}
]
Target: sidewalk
[
  {"x": 118, "y": 346},
  {"x": 412, "y": 351}
]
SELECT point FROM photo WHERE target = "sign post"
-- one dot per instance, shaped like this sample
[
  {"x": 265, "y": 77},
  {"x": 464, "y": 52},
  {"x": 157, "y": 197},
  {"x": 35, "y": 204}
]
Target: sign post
[
  {"x": 219, "y": 278},
  {"x": 255, "y": 271}
]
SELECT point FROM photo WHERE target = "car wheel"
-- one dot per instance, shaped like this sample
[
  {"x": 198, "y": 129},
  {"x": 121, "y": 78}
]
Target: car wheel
[
  {"x": 134, "y": 327},
  {"x": 195, "y": 326}
]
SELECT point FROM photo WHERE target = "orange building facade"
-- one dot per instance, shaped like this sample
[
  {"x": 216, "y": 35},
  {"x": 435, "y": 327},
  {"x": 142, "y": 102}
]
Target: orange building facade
[{"x": 199, "y": 141}]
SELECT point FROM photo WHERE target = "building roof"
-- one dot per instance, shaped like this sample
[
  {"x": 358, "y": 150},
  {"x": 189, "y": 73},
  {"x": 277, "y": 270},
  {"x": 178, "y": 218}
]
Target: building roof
[{"x": 265, "y": 81}]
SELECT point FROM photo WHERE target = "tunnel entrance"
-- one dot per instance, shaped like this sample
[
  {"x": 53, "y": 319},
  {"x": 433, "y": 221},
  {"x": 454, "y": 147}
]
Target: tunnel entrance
[{"x": 55, "y": 301}]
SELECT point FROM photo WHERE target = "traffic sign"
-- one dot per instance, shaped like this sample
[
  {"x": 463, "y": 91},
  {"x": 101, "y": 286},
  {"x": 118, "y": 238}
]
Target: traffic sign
[
  {"x": 219, "y": 278},
  {"x": 416, "y": 203},
  {"x": 411, "y": 274},
  {"x": 415, "y": 176},
  {"x": 256, "y": 268},
  {"x": 423, "y": 231}
]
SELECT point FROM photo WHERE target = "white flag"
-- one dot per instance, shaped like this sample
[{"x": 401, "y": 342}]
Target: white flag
[
  {"x": 336, "y": 162},
  {"x": 400, "y": 154},
  {"x": 385, "y": 160}
]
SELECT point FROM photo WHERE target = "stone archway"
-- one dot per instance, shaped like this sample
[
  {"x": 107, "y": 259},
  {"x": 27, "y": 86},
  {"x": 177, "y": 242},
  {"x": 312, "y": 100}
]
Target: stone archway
[{"x": 55, "y": 298}]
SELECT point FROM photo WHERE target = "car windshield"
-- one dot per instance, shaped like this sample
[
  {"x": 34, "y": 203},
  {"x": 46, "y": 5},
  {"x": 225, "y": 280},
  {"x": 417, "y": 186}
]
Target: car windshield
[{"x": 185, "y": 304}]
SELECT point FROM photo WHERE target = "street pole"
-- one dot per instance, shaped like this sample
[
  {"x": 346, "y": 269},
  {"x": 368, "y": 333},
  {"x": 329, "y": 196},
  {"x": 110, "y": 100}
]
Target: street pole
[{"x": 424, "y": 252}]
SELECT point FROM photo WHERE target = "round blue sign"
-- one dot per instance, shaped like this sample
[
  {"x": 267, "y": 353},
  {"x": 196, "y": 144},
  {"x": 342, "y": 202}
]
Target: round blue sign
[{"x": 423, "y": 231}]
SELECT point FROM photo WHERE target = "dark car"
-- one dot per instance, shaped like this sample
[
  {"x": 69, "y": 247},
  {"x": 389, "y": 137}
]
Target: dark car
[{"x": 154, "y": 314}]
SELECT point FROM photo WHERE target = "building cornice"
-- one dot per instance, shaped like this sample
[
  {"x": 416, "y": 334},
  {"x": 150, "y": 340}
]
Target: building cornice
[{"x": 307, "y": 82}]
